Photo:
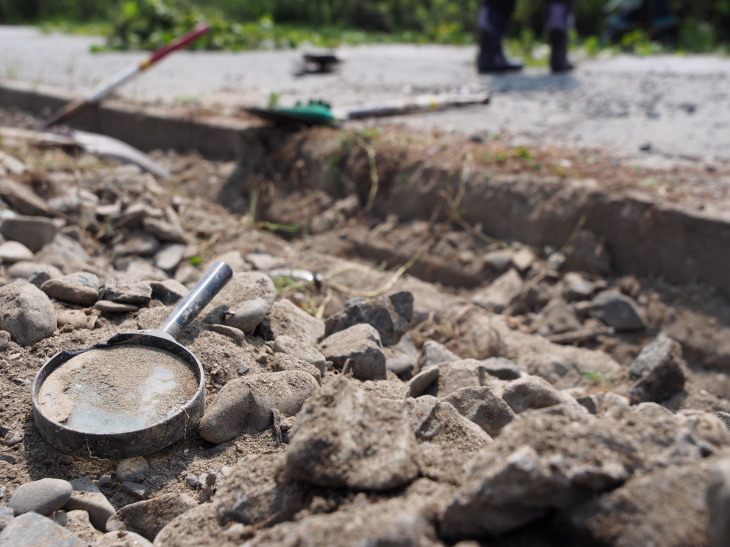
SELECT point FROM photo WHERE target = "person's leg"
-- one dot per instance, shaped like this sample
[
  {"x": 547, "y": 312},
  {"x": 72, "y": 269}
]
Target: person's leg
[
  {"x": 493, "y": 21},
  {"x": 558, "y": 25}
]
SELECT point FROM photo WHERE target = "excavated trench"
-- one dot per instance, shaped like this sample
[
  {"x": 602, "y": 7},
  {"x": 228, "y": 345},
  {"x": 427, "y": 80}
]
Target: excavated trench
[{"x": 442, "y": 207}]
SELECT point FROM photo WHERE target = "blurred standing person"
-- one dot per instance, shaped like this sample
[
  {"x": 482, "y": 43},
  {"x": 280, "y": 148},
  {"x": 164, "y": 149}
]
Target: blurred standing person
[{"x": 493, "y": 22}]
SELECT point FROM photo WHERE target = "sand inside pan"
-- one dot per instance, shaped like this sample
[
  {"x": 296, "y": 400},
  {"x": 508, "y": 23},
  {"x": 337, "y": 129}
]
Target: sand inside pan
[{"x": 117, "y": 389}]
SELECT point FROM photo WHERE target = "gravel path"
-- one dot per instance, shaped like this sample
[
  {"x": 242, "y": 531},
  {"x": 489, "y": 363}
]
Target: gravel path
[{"x": 662, "y": 106}]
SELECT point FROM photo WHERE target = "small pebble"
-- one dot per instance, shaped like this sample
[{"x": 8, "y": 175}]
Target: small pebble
[
  {"x": 132, "y": 469},
  {"x": 43, "y": 496}
]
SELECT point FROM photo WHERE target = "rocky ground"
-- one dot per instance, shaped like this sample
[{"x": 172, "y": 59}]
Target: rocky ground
[{"x": 448, "y": 389}]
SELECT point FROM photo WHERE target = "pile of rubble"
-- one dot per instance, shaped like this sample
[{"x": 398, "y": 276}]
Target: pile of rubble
[{"x": 405, "y": 414}]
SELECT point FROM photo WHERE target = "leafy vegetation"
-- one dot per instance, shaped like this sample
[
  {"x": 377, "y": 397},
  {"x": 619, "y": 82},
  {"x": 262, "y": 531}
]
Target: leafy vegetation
[{"x": 704, "y": 24}]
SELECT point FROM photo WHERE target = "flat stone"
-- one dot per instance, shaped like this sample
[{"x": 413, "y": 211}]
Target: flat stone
[
  {"x": 169, "y": 291},
  {"x": 29, "y": 315},
  {"x": 43, "y": 496},
  {"x": 138, "y": 243},
  {"x": 248, "y": 402},
  {"x": 659, "y": 368},
  {"x": 80, "y": 288},
  {"x": 148, "y": 517},
  {"x": 359, "y": 347},
  {"x": 137, "y": 293},
  {"x": 237, "y": 335},
  {"x": 300, "y": 350},
  {"x": 501, "y": 367},
  {"x": 12, "y": 252},
  {"x": 501, "y": 293},
  {"x": 33, "y": 232},
  {"x": 33, "y": 272},
  {"x": 34, "y": 529},
  {"x": 285, "y": 318},
  {"x": 433, "y": 353},
  {"x": 65, "y": 254},
  {"x": 77, "y": 521},
  {"x": 483, "y": 407},
  {"x": 243, "y": 287},
  {"x": 87, "y": 497},
  {"x": 124, "y": 538},
  {"x": 618, "y": 311},
  {"x": 132, "y": 469},
  {"x": 531, "y": 392},
  {"x": 169, "y": 256},
  {"x": 345, "y": 438},
  {"x": 164, "y": 231},
  {"x": 107, "y": 306}
]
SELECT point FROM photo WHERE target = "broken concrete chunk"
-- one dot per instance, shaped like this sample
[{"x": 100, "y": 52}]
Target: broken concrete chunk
[
  {"x": 248, "y": 402},
  {"x": 345, "y": 438},
  {"x": 357, "y": 347},
  {"x": 389, "y": 315},
  {"x": 28, "y": 314}
]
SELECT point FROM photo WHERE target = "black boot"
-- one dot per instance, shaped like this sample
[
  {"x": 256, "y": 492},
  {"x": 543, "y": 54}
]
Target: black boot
[
  {"x": 559, "y": 52},
  {"x": 492, "y": 27}
]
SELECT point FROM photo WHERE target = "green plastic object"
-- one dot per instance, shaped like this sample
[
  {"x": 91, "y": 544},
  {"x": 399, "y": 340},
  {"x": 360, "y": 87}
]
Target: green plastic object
[{"x": 309, "y": 114}]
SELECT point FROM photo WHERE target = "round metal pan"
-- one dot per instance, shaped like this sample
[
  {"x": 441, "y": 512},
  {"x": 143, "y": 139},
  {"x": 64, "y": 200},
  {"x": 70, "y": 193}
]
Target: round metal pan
[{"x": 134, "y": 394}]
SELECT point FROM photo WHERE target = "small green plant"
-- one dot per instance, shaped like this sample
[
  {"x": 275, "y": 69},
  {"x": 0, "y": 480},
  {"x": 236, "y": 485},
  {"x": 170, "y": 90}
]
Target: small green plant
[
  {"x": 599, "y": 378},
  {"x": 195, "y": 261}
]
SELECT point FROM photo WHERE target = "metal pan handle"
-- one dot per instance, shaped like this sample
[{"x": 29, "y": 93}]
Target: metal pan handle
[{"x": 199, "y": 296}]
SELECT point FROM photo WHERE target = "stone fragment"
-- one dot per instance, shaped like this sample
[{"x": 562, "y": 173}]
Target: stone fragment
[
  {"x": 483, "y": 407},
  {"x": 77, "y": 522},
  {"x": 107, "y": 306},
  {"x": 359, "y": 347},
  {"x": 389, "y": 315},
  {"x": 169, "y": 256},
  {"x": 438, "y": 423},
  {"x": 249, "y": 315},
  {"x": 456, "y": 375},
  {"x": 243, "y": 287},
  {"x": 249, "y": 401},
  {"x": 501, "y": 367},
  {"x": 237, "y": 335},
  {"x": 12, "y": 252},
  {"x": 556, "y": 317},
  {"x": 80, "y": 288},
  {"x": 135, "y": 489},
  {"x": 23, "y": 199},
  {"x": 433, "y": 353},
  {"x": 65, "y": 254},
  {"x": 577, "y": 287},
  {"x": 6, "y": 515},
  {"x": 11, "y": 164},
  {"x": 27, "y": 313},
  {"x": 148, "y": 517},
  {"x": 421, "y": 382},
  {"x": 34, "y": 529},
  {"x": 186, "y": 528},
  {"x": 256, "y": 490},
  {"x": 281, "y": 361},
  {"x": 132, "y": 469},
  {"x": 43, "y": 496},
  {"x": 659, "y": 368},
  {"x": 718, "y": 502},
  {"x": 32, "y": 232},
  {"x": 618, "y": 311},
  {"x": 87, "y": 497},
  {"x": 523, "y": 258},
  {"x": 498, "y": 260},
  {"x": 169, "y": 291},
  {"x": 402, "y": 358},
  {"x": 137, "y": 243},
  {"x": 531, "y": 392},
  {"x": 164, "y": 231},
  {"x": 33, "y": 272},
  {"x": 501, "y": 293},
  {"x": 300, "y": 350},
  {"x": 667, "y": 507},
  {"x": 137, "y": 293},
  {"x": 125, "y": 538},
  {"x": 286, "y": 318},
  {"x": 344, "y": 438}
]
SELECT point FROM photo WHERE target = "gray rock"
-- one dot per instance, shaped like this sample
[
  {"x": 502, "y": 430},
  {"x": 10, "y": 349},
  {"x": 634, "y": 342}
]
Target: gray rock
[
  {"x": 125, "y": 538},
  {"x": 107, "y": 306},
  {"x": 421, "y": 382},
  {"x": 667, "y": 507},
  {"x": 556, "y": 317},
  {"x": 23, "y": 199},
  {"x": 456, "y": 375},
  {"x": 12, "y": 252},
  {"x": 135, "y": 489},
  {"x": 81, "y": 288},
  {"x": 87, "y": 497},
  {"x": 588, "y": 253},
  {"x": 604, "y": 402},
  {"x": 345, "y": 438},
  {"x": 577, "y": 287},
  {"x": 436, "y": 422},
  {"x": 501, "y": 293},
  {"x": 523, "y": 258},
  {"x": 28, "y": 314},
  {"x": 132, "y": 469},
  {"x": 34, "y": 529},
  {"x": 138, "y": 243},
  {"x": 725, "y": 417},
  {"x": 483, "y": 407},
  {"x": 34, "y": 272},
  {"x": 243, "y": 287},
  {"x": 164, "y": 231},
  {"x": 402, "y": 358},
  {"x": 498, "y": 260},
  {"x": 285, "y": 318},
  {"x": 501, "y": 367},
  {"x": 169, "y": 256},
  {"x": 77, "y": 522},
  {"x": 281, "y": 361},
  {"x": 618, "y": 311},
  {"x": 43, "y": 496},
  {"x": 257, "y": 491},
  {"x": 249, "y": 315},
  {"x": 360, "y": 347},
  {"x": 136, "y": 293},
  {"x": 718, "y": 501},
  {"x": 659, "y": 368},
  {"x": 531, "y": 392},
  {"x": 237, "y": 335},
  {"x": 6, "y": 515},
  {"x": 389, "y": 315},
  {"x": 300, "y": 350},
  {"x": 433, "y": 353},
  {"x": 148, "y": 517},
  {"x": 32, "y": 232},
  {"x": 168, "y": 291},
  {"x": 65, "y": 254},
  {"x": 249, "y": 401}
]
